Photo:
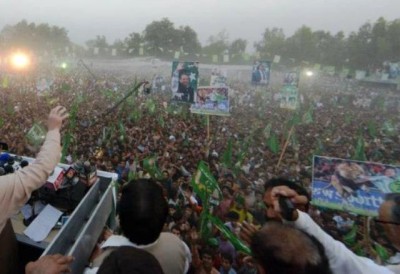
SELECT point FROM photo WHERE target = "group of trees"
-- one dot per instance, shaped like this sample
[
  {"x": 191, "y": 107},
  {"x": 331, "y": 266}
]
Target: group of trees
[{"x": 369, "y": 46}]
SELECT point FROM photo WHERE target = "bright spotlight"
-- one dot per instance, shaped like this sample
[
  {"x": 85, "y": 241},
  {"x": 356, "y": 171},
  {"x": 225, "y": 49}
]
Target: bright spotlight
[
  {"x": 64, "y": 65},
  {"x": 20, "y": 61},
  {"x": 309, "y": 73}
]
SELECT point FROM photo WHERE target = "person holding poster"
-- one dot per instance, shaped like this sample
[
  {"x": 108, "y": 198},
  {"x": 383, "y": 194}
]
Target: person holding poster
[
  {"x": 341, "y": 259},
  {"x": 180, "y": 85}
]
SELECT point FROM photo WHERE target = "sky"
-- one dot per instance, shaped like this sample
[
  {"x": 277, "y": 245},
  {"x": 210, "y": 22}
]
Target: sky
[{"x": 246, "y": 19}]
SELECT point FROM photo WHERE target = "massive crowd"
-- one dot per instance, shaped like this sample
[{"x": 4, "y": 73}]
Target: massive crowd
[{"x": 149, "y": 124}]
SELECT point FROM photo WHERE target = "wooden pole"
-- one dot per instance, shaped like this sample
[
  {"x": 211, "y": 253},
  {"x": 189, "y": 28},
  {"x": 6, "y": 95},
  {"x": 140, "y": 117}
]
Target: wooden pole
[
  {"x": 208, "y": 127},
  {"x": 285, "y": 146}
]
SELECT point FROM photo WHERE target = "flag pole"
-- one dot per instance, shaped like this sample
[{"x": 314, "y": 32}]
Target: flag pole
[
  {"x": 208, "y": 127},
  {"x": 285, "y": 146}
]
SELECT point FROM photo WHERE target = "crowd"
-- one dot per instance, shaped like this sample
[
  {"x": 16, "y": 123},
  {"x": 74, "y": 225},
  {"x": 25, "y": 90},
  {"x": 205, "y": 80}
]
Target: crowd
[{"x": 147, "y": 125}]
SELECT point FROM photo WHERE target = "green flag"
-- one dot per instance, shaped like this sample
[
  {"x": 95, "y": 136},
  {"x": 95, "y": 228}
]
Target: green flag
[
  {"x": 307, "y": 117},
  {"x": 67, "y": 139},
  {"x": 273, "y": 143},
  {"x": 267, "y": 131},
  {"x": 122, "y": 130},
  {"x": 150, "y": 166},
  {"x": 161, "y": 121},
  {"x": 151, "y": 106},
  {"x": 359, "y": 153},
  {"x": 36, "y": 135},
  {"x": 388, "y": 128},
  {"x": 350, "y": 238},
  {"x": 204, "y": 184},
  {"x": 227, "y": 155},
  {"x": 372, "y": 129},
  {"x": 239, "y": 246},
  {"x": 382, "y": 252}
]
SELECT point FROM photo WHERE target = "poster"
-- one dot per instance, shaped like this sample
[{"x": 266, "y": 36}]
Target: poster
[
  {"x": 291, "y": 78},
  {"x": 289, "y": 97},
  {"x": 211, "y": 100},
  {"x": 184, "y": 80},
  {"x": 352, "y": 186},
  {"x": 261, "y": 73}
]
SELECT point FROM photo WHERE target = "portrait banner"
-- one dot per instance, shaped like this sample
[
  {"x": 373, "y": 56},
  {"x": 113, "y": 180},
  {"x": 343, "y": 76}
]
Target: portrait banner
[
  {"x": 289, "y": 97},
  {"x": 184, "y": 81},
  {"x": 212, "y": 101},
  {"x": 352, "y": 186},
  {"x": 261, "y": 73}
]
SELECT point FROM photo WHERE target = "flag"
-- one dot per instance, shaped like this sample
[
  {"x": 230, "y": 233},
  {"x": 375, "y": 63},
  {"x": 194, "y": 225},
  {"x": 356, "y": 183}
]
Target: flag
[
  {"x": 359, "y": 153},
  {"x": 307, "y": 117},
  {"x": 382, "y": 252},
  {"x": 267, "y": 131},
  {"x": 122, "y": 130},
  {"x": 36, "y": 135},
  {"x": 204, "y": 184},
  {"x": 388, "y": 128},
  {"x": 150, "y": 166},
  {"x": 227, "y": 155},
  {"x": 273, "y": 143},
  {"x": 161, "y": 121},
  {"x": 238, "y": 244},
  {"x": 151, "y": 106},
  {"x": 372, "y": 129},
  {"x": 350, "y": 238}
]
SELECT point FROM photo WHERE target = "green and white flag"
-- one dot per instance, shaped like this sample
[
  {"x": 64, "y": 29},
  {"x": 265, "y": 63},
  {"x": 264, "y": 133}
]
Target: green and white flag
[
  {"x": 150, "y": 166},
  {"x": 36, "y": 135},
  {"x": 204, "y": 184}
]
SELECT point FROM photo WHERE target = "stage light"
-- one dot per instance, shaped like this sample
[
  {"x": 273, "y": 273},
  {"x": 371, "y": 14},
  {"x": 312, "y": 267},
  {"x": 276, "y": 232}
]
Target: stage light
[
  {"x": 309, "y": 73},
  {"x": 20, "y": 61}
]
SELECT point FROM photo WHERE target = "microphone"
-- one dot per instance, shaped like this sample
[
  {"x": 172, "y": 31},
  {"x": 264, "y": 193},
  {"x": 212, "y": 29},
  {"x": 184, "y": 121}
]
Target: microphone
[
  {"x": 9, "y": 169},
  {"x": 24, "y": 163},
  {"x": 4, "y": 158}
]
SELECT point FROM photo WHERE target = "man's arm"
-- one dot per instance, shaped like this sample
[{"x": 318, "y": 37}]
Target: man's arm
[
  {"x": 341, "y": 259},
  {"x": 16, "y": 188}
]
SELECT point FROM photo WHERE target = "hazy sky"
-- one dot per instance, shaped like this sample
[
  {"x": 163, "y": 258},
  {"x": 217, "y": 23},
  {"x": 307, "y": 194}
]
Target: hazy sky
[{"x": 84, "y": 19}]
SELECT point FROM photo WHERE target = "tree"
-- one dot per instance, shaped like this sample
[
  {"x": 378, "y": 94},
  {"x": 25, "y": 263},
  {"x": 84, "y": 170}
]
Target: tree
[
  {"x": 190, "y": 42},
  {"x": 160, "y": 36},
  {"x": 272, "y": 43},
  {"x": 217, "y": 45},
  {"x": 133, "y": 42},
  {"x": 38, "y": 38}
]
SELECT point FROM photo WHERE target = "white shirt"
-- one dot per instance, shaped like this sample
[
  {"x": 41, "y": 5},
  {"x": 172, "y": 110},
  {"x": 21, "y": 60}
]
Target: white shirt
[{"x": 341, "y": 259}]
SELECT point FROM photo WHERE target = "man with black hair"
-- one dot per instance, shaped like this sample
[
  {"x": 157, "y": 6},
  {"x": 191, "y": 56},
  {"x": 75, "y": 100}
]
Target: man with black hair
[
  {"x": 130, "y": 260},
  {"x": 276, "y": 248},
  {"x": 143, "y": 211}
]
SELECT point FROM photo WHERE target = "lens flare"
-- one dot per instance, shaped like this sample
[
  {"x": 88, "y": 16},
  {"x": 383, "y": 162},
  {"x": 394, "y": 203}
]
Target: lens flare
[{"x": 20, "y": 61}]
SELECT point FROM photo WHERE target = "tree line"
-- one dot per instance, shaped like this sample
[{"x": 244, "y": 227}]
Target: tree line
[{"x": 368, "y": 47}]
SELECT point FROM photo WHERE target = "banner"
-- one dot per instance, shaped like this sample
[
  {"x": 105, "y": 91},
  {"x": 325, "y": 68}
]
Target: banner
[
  {"x": 211, "y": 100},
  {"x": 291, "y": 78},
  {"x": 261, "y": 73},
  {"x": 354, "y": 186},
  {"x": 289, "y": 97},
  {"x": 184, "y": 80}
]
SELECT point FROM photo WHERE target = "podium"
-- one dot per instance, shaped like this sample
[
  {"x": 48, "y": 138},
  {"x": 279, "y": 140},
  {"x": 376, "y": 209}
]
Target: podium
[{"x": 79, "y": 235}]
